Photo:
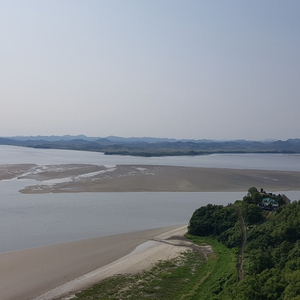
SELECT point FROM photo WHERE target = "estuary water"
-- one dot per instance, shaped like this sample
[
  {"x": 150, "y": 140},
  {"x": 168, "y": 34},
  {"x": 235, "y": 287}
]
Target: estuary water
[
  {"x": 20, "y": 155},
  {"x": 28, "y": 221}
]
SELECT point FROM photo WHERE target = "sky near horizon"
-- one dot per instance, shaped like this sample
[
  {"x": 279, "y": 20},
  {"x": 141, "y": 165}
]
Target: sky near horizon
[{"x": 161, "y": 68}]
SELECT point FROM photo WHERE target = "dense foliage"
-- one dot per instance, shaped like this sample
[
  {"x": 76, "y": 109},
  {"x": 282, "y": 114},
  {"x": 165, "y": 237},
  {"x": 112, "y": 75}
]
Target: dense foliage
[
  {"x": 222, "y": 222},
  {"x": 272, "y": 253}
]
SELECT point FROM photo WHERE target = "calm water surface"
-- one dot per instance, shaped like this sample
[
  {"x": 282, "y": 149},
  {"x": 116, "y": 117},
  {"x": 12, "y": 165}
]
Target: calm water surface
[
  {"x": 35, "y": 220},
  {"x": 17, "y": 155}
]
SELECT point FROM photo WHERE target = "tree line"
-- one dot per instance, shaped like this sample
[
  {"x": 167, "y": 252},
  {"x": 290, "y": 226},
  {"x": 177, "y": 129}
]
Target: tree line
[{"x": 272, "y": 253}]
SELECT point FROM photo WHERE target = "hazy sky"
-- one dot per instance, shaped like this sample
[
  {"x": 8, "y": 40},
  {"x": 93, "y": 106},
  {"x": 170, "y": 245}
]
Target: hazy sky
[{"x": 161, "y": 68}]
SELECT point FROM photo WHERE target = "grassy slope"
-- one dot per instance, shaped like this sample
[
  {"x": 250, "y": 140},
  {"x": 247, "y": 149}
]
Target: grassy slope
[
  {"x": 219, "y": 273},
  {"x": 186, "y": 277}
]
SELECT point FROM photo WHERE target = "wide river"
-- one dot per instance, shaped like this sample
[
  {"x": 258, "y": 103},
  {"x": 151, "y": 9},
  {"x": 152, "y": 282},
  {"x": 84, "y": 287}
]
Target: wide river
[{"x": 28, "y": 221}]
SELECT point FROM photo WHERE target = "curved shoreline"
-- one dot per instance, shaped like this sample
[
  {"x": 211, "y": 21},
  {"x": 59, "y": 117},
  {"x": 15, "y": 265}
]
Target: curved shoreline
[
  {"x": 27, "y": 274},
  {"x": 143, "y": 257}
]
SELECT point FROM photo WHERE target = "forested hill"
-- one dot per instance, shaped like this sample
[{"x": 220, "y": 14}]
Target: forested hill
[
  {"x": 153, "y": 146},
  {"x": 268, "y": 260}
]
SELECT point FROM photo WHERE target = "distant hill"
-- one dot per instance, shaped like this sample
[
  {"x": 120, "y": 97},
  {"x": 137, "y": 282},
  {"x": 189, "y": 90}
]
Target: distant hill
[
  {"x": 53, "y": 138},
  {"x": 148, "y": 146}
]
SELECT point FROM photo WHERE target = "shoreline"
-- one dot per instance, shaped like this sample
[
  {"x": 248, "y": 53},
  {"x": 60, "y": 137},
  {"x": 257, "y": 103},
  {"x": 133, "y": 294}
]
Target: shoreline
[
  {"x": 30, "y": 273},
  {"x": 162, "y": 247}
]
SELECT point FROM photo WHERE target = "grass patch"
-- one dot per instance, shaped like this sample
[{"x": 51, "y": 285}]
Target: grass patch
[
  {"x": 219, "y": 273},
  {"x": 188, "y": 276}
]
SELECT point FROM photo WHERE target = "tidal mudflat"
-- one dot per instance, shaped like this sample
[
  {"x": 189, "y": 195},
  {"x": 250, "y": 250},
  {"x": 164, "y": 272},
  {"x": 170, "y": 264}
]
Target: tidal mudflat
[{"x": 71, "y": 178}]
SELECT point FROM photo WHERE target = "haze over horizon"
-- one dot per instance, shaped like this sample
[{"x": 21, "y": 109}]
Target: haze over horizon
[
  {"x": 119, "y": 138},
  {"x": 222, "y": 70}
]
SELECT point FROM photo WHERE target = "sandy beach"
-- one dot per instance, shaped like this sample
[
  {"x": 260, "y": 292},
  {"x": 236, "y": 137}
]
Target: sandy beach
[
  {"x": 147, "y": 178},
  {"x": 53, "y": 272}
]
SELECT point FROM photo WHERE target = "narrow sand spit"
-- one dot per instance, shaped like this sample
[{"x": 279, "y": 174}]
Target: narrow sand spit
[
  {"x": 29, "y": 273},
  {"x": 147, "y": 178}
]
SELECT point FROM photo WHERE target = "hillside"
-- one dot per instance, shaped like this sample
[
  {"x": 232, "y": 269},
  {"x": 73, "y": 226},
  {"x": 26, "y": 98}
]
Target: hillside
[
  {"x": 268, "y": 256},
  {"x": 152, "y": 146}
]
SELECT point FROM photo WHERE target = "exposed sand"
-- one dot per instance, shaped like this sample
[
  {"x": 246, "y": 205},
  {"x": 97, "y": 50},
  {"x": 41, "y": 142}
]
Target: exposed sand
[
  {"x": 27, "y": 274},
  {"x": 164, "y": 246},
  {"x": 49, "y": 172},
  {"x": 139, "y": 178},
  {"x": 12, "y": 171}
]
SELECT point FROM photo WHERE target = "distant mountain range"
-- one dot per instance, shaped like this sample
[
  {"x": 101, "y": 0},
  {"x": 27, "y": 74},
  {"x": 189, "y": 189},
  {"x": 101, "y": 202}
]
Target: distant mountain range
[{"x": 148, "y": 146}]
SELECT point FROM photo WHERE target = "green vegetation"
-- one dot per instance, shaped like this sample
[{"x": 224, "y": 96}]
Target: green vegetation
[
  {"x": 256, "y": 256},
  {"x": 271, "y": 258},
  {"x": 157, "y": 152},
  {"x": 170, "y": 279},
  {"x": 218, "y": 275},
  {"x": 188, "y": 276}
]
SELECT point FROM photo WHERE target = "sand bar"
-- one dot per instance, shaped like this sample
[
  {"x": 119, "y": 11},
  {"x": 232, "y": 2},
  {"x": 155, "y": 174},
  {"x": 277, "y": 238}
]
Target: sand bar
[
  {"x": 148, "y": 178},
  {"x": 12, "y": 171},
  {"x": 72, "y": 178},
  {"x": 29, "y": 273}
]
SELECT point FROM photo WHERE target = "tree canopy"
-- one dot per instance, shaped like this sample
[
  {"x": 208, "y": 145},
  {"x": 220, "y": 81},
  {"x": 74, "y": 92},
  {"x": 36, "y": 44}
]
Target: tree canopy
[{"x": 272, "y": 252}]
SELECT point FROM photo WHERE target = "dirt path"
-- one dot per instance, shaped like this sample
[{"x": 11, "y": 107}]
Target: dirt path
[{"x": 240, "y": 260}]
